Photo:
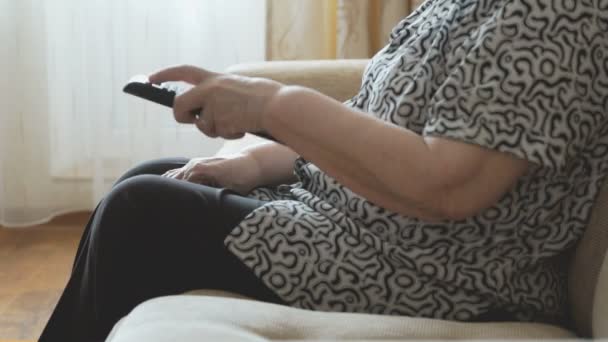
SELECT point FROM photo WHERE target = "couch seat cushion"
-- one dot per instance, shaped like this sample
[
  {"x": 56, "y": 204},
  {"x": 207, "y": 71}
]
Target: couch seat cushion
[{"x": 207, "y": 316}]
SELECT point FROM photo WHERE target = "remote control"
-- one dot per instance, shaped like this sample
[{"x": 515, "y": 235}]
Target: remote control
[{"x": 164, "y": 94}]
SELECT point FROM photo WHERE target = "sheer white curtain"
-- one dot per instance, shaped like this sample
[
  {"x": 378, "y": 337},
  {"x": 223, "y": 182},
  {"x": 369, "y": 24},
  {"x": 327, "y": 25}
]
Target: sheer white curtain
[{"x": 66, "y": 130}]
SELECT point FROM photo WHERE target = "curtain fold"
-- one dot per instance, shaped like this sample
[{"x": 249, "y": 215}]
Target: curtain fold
[
  {"x": 328, "y": 29},
  {"x": 66, "y": 130}
]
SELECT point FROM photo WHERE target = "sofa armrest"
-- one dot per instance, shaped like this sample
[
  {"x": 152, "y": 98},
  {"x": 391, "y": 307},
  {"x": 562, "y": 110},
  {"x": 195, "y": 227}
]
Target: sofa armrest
[{"x": 339, "y": 79}]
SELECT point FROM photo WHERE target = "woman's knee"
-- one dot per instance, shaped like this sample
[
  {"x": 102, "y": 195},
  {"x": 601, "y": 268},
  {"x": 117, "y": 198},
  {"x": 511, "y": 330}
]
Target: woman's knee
[
  {"x": 152, "y": 195},
  {"x": 127, "y": 204},
  {"x": 134, "y": 190},
  {"x": 153, "y": 167},
  {"x": 149, "y": 205}
]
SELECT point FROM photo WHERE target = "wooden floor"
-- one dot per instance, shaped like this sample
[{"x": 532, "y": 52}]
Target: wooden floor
[{"x": 34, "y": 267}]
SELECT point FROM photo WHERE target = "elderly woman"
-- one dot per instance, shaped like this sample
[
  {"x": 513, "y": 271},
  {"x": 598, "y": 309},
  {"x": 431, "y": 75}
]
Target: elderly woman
[{"x": 450, "y": 186}]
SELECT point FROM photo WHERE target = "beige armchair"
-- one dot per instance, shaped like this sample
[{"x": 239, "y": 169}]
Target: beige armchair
[{"x": 218, "y": 316}]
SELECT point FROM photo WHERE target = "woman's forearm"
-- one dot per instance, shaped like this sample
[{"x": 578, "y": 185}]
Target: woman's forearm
[
  {"x": 275, "y": 163},
  {"x": 359, "y": 150}
]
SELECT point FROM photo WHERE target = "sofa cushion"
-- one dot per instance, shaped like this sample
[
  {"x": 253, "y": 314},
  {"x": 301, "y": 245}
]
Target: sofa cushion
[
  {"x": 600, "y": 305},
  {"x": 586, "y": 264},
  {"x": 152, "y": 330},
  {"x": 253, "y": 319}
]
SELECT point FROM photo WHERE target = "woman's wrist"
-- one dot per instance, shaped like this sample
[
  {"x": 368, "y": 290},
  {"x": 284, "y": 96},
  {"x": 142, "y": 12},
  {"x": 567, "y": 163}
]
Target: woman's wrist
[
  {"x": 276, "y": 106},
  {"x": 273, "y": 163},
  {"x": 251, "y": 170}
]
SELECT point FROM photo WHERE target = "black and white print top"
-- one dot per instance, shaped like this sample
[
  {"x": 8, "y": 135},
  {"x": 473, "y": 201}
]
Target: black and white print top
[{"x": 529, "y": 78}]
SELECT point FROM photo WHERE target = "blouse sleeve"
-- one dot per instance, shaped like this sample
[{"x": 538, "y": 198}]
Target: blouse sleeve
[{"x": 514, "y": 89}]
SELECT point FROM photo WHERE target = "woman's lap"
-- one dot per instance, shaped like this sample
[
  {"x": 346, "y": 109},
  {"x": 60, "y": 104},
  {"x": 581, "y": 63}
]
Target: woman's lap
[{"x": 152, "y": 236}]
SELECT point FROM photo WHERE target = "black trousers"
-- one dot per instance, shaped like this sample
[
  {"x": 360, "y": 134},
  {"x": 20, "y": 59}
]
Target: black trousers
[{"x": 149, "y": 237}]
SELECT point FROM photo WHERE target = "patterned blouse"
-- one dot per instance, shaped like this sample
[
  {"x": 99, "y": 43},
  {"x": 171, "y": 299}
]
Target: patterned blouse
[{"x": 529, "y": 78}]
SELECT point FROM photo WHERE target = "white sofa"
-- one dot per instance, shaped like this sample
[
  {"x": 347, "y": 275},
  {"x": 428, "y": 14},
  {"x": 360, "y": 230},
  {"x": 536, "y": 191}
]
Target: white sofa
[{"x": 217, "y": 316}]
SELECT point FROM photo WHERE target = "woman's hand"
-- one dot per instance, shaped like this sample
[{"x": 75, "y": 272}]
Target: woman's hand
[
  {"x": 231, "y": 105},
  {"x": 238, "y": 172}
]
